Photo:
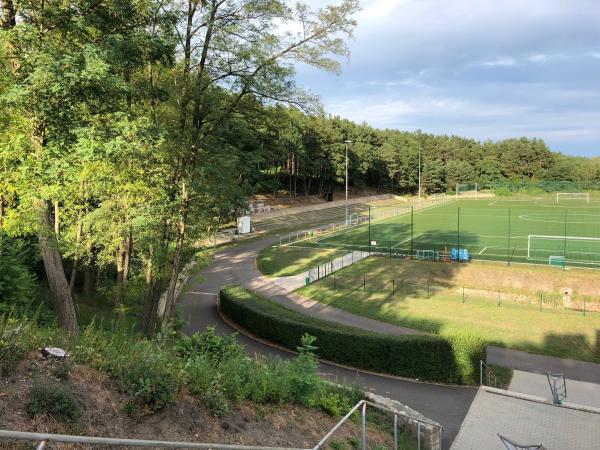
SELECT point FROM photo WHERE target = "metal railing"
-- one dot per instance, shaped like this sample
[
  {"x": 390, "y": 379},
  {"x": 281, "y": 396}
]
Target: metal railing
[
  {"x": 490, "y": 376},
  {"x": 424, "y": 430}
]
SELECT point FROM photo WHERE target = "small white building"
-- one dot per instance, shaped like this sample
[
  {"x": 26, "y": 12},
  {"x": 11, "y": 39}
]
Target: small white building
[{"x": 244, "y": 225}]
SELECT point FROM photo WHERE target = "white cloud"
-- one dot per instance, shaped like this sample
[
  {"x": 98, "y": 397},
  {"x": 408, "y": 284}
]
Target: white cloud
[{"x": 500, "y": 62}]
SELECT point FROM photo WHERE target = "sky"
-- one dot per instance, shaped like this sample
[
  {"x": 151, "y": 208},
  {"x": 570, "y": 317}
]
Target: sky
[{"x": 484, "y": 69}]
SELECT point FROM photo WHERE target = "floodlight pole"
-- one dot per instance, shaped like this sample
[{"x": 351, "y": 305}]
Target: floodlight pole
[{"x": 346, "y": 142}]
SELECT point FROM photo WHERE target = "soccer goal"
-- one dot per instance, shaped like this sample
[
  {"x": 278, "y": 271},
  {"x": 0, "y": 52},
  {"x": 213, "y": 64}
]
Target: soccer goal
[
  {"x": 558, "y": 250},
  {"x": 577, "y": 196},
  {"x": 353, "y": 219},
  {"x": 467, "y": 189}
]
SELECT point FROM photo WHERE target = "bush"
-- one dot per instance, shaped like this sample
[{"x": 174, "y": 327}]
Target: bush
[
  {"x": 17, "y": 282},
  {"x": 145, "y": 369},
  {"x": 503, "y": 192},
  {"x": 426, "y": 357},
  {"x": 55, "y": 399}
]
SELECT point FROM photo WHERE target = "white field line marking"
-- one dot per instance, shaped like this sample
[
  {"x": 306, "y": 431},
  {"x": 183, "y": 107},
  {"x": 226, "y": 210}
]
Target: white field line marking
[
  {"x": 493, "y": 203},
  {"x": 407, "y": 240},
  {"x": 484, "y": 249}
]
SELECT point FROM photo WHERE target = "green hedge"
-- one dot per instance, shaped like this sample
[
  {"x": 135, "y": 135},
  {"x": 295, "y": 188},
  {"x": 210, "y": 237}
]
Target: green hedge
[{"x": 426, "y": 357}]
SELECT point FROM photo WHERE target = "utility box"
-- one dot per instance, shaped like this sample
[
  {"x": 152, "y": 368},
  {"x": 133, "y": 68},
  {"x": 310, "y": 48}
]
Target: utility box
[{"x": 244, "y": 225}]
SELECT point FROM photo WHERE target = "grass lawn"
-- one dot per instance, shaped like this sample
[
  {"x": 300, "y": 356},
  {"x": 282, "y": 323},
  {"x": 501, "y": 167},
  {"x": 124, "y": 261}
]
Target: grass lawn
[
  {"x": 556, "y": 332},
  {"x": 287, "y": 261}
]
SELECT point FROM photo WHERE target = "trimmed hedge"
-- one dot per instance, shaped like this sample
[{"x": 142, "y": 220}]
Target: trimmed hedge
[{"x": 427, "y": 357}]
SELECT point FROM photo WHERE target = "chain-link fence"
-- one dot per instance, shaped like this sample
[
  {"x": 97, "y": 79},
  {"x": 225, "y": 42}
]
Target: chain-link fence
[
  {"x": 425, "y": 289},
  {"x": 534, "y": 233}
]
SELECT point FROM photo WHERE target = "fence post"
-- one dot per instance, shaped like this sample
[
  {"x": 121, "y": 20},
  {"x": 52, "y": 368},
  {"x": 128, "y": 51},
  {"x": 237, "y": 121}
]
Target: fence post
[
  {"x": 395, "y": 431},
  {"x": 364, "y": 427},
  {"x": 394, "y": 290},
  {"x": 418, "y": 435},
  {"x": 427, "y": 289},
  {"x": 364, "y": 284}
]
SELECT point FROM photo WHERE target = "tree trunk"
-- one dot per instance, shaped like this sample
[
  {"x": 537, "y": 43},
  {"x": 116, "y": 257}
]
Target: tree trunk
[
  {"x": 149, "y": 317},
  {"x": 87, "y": 282},
  {"x": 127, "y": 258},
  {"x": 170, "y": 299},
  {"x": 56, "y": 219},
  {"x": 76, "y": 259},
  {"x": 9, "y": 14},
  {"x": 119, "y": 295},
  {"x": 59, "y": 287}
]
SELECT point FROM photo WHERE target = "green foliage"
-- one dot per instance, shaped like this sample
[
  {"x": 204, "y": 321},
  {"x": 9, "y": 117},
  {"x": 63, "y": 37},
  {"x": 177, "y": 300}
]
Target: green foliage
[
  {"x": 425, "y": 357},
  {"x": 145, "y": 369},
  {"x": 62, "y": 370},
  {"x": 17, "y": 282},
  {"x": 216, "y": 348},
  {"x": 503, "y": 191},
  {"x": 54, "y": 399}
]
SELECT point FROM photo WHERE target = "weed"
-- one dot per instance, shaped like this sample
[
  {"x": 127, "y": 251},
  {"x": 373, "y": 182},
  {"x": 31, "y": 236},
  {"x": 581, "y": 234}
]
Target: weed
[{"x": 55, "y": 399}]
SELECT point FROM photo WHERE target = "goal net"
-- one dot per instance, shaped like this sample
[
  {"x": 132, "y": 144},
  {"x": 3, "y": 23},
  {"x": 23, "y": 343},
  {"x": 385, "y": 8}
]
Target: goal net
[
  {"x": 563, "y": 249},
  {"x": 466, "y": 189},
  {"x": 580, "y": 196}
]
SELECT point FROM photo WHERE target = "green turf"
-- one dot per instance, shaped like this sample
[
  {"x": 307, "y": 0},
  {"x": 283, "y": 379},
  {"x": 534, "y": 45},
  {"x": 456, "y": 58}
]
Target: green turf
[
  {"x": 491, "y": 228},
  {"x": 555, "y": 332},
  {"x": 286, "y": 261}
]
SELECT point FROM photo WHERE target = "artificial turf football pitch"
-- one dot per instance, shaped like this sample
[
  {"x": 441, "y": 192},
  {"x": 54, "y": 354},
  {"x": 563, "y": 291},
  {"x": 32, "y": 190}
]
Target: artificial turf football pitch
[{"x": 534, "y": 230}]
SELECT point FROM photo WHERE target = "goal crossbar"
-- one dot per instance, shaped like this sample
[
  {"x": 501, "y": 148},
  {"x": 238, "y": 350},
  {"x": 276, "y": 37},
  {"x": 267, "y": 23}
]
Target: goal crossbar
[
  {"x": 585, "y": 196},
  {"x": 555, "y": 238}
]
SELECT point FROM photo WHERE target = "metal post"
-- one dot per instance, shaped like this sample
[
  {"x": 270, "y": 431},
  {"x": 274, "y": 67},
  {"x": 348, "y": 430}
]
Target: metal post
[
  {"x": 458, "y": 234},
  {"x": 508, "y": 246},
  {"x": 369, "y": 229},
  {"x": 480, "y": 372},
  {"x": 364, "y": 284},
  {"x": 418, "y": 435},
  {"x": 346, "y": 142},
  {"x": 428, "y": 289},
  {"x": 412, "y": 245},
  {"x": 364, "y": 427},
  {"x": 565, "y": 243},
  {"x": 395, "y": 431},
  {"x": 394, "y": 291},
  {"x": 420, "y": 175}
]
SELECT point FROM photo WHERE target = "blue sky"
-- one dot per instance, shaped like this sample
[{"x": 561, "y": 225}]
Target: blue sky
[{"x": 480, "y": 68}]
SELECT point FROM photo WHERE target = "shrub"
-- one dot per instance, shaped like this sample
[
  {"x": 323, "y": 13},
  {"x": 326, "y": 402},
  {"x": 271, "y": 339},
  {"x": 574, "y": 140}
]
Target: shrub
[
  {"x": 55, "y": 399},
  {"x": 216, "y": 348},
  {"x": 426, "y": 357},
  {"x": 503, "y": 192},
  {"x": 146, "y": 369}
]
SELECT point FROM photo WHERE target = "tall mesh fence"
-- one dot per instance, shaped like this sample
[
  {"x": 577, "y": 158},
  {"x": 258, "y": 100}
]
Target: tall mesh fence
[{"x": 537, "y": 234}]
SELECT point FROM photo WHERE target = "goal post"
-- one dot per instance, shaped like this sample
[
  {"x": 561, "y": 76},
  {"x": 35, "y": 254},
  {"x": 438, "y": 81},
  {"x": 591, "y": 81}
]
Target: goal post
[
  {"x": 580, "y": 196},
  {"x": 560, "y": 250}
]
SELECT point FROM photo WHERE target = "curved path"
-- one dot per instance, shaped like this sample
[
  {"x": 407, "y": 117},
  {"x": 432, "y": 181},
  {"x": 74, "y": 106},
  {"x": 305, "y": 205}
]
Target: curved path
[{"x": 448, "y": 405}]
